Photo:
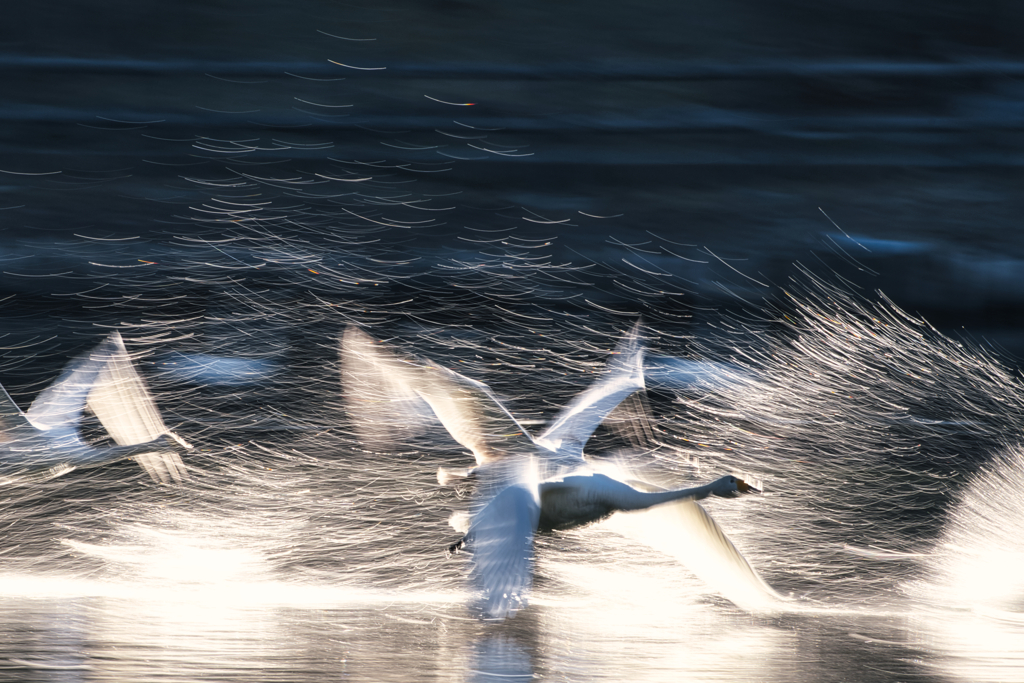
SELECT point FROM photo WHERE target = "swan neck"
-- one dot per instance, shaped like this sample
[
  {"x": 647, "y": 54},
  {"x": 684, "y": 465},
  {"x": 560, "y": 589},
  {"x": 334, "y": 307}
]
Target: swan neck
[{"x": 642, "y": 500}]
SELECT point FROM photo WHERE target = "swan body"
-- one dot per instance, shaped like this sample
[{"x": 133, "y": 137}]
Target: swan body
[
  {"x": 500, "y": 535},
  {"x": 579, "y": 500},
  {"x": 532, "y": 485},
  {"x": 45, "y": 440}
]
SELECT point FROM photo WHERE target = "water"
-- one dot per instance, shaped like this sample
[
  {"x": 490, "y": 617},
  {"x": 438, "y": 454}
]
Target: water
[
  {"x": 204, "y": 188},
  {"x": 297, "y": 550}
]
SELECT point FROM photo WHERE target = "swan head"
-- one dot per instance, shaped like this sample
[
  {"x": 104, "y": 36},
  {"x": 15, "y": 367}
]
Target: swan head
[{"x": 728, "y": 486}]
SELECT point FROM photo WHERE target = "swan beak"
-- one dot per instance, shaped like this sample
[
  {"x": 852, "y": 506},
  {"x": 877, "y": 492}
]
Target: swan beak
[
  {"x": 744, "y": 487},
  {"x": 181, "y": 442}
]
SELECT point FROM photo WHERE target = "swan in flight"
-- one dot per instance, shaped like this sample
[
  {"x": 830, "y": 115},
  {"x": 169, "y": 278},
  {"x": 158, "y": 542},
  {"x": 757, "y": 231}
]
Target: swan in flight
[
  {"x": 45, "y": 440},
  {"x": 544, "y": 484},
  {"x": 383, "y": 390}
]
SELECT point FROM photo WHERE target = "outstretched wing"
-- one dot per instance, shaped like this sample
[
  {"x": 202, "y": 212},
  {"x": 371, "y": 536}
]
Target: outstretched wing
[
  {"x": 384, "y": 392},
  {"x": 685, "y": 531},
  {"x": 14, "y": 425},
  {"x": 501, "y": 540},
  {"x": 125, "y": 408},
  {"x": 59, "y": 406},
  {"x": 570, "y": 431}
]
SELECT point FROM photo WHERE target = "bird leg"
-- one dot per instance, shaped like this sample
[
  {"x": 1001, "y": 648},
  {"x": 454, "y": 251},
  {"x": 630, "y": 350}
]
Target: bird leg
[{"x": 455, "y": 548}]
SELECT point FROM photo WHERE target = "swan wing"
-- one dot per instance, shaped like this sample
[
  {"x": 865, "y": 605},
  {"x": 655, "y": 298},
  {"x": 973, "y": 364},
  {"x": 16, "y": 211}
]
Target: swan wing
[
  {"x": 59, "y": 406},
  {"x": 379, "y": 390},
  {"x": 384, "y": 392},
  {"x": 685, "y": 531},
  {"x": 14, "y": 425},
  {"x": 122, "y": 403},
  {"x": 501, "y": 540},
  {"x": 28, "y": 453},
  {"x": 24, "y": 448},
  {"x": 574, "y": 425},
  {"x": 472, "y": 414}
]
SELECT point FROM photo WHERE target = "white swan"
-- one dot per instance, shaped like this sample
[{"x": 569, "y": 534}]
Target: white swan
[
  {"x": 540, "y": 484},
  {"x": 45, "y": 440},
  {"x": 500, "y": 535},
  {"x": 383, "y": 390}
]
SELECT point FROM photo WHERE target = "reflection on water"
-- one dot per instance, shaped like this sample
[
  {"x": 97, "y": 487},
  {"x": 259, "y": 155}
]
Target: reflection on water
[
  {"x": 116, "y": 633},
  {"x": 174, "y": 593},
  {"x": 302, "y": 548},
  {"x": 297, "y": 552}
]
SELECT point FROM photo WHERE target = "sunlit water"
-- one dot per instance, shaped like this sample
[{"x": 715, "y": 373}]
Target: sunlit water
[
  {"x": 301, "y": 550},
  {"x": 297, "y": 552}
]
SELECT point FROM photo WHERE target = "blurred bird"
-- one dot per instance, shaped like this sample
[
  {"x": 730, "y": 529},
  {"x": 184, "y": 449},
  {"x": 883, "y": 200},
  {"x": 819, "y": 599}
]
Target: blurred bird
[
  {"x": 384, "y": 390},
  {"x": 528, "y": 485},
  {"x": 45, "y": 441}
]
